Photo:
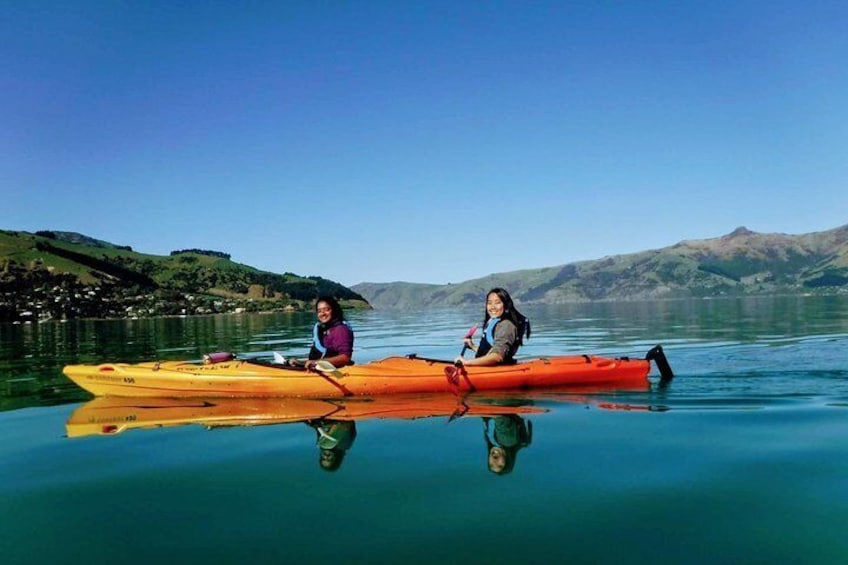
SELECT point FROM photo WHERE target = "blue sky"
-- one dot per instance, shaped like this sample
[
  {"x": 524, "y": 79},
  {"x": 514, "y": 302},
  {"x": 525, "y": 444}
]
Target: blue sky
[{"x": 422, "y": 141}]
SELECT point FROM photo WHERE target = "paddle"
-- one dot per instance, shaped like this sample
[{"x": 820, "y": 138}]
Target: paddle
[
  {"x": 468, "y": 335},
  {"x": 328, "y": 368},
  {"x": 460, "y": 411},
  {"x": 453, "y": 373},
  {"x": 255, "y": 356},
  {"x": 322, "y": 365}
]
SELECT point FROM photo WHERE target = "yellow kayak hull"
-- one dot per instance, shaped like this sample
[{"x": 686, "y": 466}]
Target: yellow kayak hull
[{"x": 393, "y": 375}]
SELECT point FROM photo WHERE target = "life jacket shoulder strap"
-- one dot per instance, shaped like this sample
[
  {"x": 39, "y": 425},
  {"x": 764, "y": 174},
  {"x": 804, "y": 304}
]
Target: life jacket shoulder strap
[
  {"x": 317, "y": 340},
  {"x": 489, "y": 330}
]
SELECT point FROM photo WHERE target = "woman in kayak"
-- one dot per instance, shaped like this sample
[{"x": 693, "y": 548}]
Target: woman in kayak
[
  {"x": 504, "y": 328},
  {"x": 332, "y": 338}
]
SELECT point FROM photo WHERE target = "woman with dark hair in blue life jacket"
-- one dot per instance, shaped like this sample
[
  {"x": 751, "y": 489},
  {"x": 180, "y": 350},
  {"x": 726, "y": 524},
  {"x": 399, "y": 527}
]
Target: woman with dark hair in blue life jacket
[
  {"x": 332, "y": 338},
  {"x": 504, "y": 328}
]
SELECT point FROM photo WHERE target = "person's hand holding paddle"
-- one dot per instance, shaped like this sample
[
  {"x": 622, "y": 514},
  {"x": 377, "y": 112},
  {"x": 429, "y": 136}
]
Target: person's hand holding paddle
[{"x": 468, "y": 343}]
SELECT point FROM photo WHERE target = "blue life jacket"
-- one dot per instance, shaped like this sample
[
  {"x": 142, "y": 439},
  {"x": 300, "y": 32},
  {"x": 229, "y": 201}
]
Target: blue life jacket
[
  {"x": 318, "y": 350},
  {"x": 488, "y": 339}
]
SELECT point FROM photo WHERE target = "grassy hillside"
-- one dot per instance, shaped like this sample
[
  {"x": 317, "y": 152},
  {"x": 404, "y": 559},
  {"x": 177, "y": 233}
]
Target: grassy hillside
[
  {"x": 742, "y": 262},
  {"x": 65, "y": 275}
]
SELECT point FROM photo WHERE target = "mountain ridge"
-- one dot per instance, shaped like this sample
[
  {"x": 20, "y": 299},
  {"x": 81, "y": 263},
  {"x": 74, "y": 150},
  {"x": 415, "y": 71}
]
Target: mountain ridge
[{"x": 738, "y": 263}]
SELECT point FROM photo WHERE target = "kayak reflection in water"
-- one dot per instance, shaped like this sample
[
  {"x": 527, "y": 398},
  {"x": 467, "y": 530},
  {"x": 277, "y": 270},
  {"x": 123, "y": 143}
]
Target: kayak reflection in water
[
  {"x": 509, "y": 435},
  {"x": 334, "y": 438}
]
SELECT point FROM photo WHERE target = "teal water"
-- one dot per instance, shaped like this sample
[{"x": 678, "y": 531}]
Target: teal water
[{"x": 742, "y": 459}]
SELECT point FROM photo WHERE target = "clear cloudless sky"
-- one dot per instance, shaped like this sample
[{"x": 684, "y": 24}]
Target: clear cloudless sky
[{"x": 431, "y": 141}]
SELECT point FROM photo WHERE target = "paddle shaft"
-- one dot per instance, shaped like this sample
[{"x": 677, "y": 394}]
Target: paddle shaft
[{"x": 468, "y": 335}]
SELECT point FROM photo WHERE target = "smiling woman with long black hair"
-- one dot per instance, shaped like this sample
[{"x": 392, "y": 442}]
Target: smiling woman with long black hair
[
  {"x": 332, "y": 338},
  {"x": 504, "y": 328}
]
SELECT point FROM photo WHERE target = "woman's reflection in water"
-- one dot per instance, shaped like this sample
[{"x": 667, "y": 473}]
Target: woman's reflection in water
[
  {"x": 509, "y": 434},
  {"x": 334, "y": 438}
]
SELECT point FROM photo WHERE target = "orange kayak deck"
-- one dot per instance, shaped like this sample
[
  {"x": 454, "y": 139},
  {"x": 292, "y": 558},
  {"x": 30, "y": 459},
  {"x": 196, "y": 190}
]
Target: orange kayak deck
[{"x": 393, "y": 375}]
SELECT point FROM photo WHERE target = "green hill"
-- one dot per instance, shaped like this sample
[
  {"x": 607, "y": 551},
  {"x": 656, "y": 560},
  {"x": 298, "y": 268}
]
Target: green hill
[
  {"x": 742, "y": 262},
  {"x": 68, "y": 275}
]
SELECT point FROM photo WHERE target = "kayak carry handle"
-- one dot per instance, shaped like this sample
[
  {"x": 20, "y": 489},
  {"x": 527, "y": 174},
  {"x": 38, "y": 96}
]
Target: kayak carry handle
[{"x": 657, "y": 355}]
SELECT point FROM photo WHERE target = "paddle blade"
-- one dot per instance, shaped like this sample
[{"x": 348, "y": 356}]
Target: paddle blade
[
  {"x": 468, "y": 335},
  {"x": 328, "y": 369},
  {"x": 452, "y": 374},
  {"x": 460, "y": 411},
  {"x": 279, "y": 359}
]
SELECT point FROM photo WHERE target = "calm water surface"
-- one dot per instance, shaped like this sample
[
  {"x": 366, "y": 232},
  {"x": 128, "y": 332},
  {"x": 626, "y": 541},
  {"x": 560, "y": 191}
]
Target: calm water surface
[{"x": 742, "y": 459}]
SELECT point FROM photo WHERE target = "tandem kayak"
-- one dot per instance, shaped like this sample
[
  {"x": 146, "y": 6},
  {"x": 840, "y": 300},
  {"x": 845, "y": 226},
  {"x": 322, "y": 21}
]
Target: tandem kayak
[{"x": 393, "y": 375}]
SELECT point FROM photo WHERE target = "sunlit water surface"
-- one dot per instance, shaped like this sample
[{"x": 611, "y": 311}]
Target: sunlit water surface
[{"x": 742, "y": 459}]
